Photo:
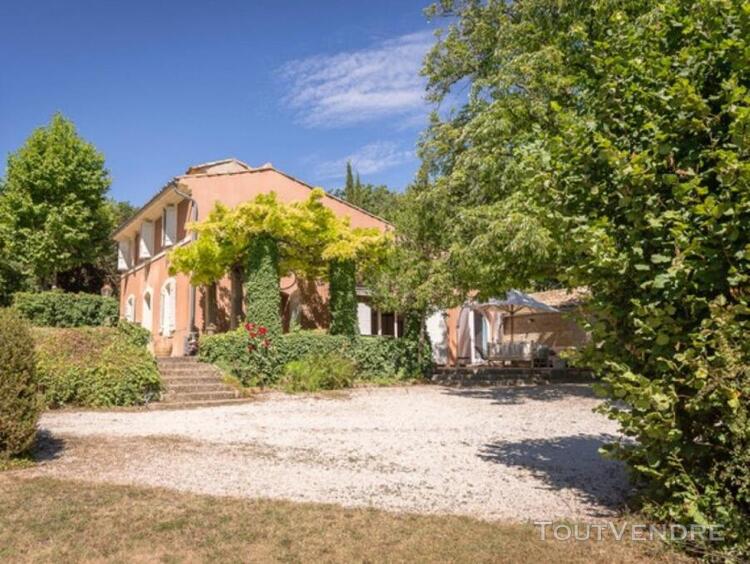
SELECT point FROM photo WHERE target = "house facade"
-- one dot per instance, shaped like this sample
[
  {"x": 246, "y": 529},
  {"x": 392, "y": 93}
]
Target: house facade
[
  {"x": 462, "y": 335},
  {"x": 175, "y": 312},
  {"x": 169, "y": 306}
]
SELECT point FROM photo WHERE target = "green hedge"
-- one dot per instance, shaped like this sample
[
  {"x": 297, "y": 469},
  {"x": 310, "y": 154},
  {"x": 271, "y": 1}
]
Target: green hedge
[
  {"x": 61, "y": 309},
  {"x": 330, "y": 371},
  {"x": 95, "y": 366},
  {"x": 376, "y": 357},
  {"x": 19, "y": 400}
]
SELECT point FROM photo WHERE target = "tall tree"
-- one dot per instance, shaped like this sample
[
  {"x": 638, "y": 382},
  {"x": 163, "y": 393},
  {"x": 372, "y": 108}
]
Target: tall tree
[
  {"x": 93, "y": 276},
  {"x": 378, "y": 200},
  {"x": 607, "y": 141},
  {"x": 349, "y": 186},
  {"x": 53, "y": 209}
]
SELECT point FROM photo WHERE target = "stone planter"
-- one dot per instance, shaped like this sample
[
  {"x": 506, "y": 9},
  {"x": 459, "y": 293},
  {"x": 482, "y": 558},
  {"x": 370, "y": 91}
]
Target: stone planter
[{"x": 163, "y": 347}]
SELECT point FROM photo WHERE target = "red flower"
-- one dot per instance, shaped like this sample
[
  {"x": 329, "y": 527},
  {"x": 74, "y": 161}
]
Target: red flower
[
  {"x": 266, "y": 343},
  {"x": 262, "y": 331}
]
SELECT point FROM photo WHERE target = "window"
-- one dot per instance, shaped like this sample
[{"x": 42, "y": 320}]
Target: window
[
  {"x": 146, "y": 246},
  {"x": 148, "y": 312},
  {"x": 169, "y": 226},
  {"x": 385, "y": 323},
  {"x": 130, "y": 309},
  {"x": 123, "y": 255},
  {"x": 167, "y": 308}
]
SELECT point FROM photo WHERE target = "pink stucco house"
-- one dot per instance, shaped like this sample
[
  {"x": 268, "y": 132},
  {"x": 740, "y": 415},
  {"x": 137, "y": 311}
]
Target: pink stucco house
[
  {"x": 173, "y": 310},
  {"x": 169, "y": 306}
]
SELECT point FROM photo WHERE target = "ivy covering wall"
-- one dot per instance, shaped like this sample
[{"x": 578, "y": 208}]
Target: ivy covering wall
[
  {"x": 343, "y": 298},
  {"x": 263, "y": 300}
]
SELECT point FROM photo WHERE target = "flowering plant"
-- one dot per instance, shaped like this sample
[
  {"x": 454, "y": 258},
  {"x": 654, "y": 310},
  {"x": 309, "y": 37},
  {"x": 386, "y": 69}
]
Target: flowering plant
[
  {"x": 257, "y": 338},
  {"x": 260, "y": 350}
]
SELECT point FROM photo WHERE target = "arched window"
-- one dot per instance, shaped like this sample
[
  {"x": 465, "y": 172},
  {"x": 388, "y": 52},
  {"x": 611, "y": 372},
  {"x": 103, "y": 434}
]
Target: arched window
[
  {"x": 148, "y": 311},
  {"x": 167, "y": 307},
  {"x": 130, "y": 308}
]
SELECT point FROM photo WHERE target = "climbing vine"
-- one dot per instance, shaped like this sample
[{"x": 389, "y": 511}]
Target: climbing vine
[{"x": 343, "y": 299}]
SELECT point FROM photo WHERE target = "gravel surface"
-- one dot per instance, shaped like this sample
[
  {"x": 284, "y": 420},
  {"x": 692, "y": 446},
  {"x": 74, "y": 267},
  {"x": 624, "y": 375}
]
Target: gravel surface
[{"x": 521, "y": 453}]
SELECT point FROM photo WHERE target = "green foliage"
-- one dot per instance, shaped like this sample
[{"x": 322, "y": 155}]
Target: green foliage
[
  {"x": 343, "y": 298},
  {"x": 377, "y": 200},
  {"x": 61, "y": 309},
  {"x": 262, "y": 296},
  {"x": 308, "y": 235},
  {"x": 19, "y": 400},
  {"x": 94, "y": 367},
  {"x": 53, "y": 214},
  {"x": 606, "y": 144},
  {"x": 330, "y": 371},
  {"x": 376, "y": 357},
  {"x": 92, "y": 276},
  {"x": 134, "y": 333}
]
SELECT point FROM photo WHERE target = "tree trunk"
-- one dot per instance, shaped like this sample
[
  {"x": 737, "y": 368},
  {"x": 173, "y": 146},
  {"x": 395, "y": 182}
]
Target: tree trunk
[
  {"x": 211, "y": 308},
  {"x": 235, "y": 317}
]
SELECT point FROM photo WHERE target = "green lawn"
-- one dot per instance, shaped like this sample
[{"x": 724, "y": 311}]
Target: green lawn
[{"x": 46, "y": 520}]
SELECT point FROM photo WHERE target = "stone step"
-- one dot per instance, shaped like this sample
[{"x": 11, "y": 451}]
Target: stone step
[
  {"x": 184, "y": 380},
  {"x": 225, "y": 394},
  {"x": 196, "y": 403},
  {"x": 179, "y": 364},
  {"x": 188, "y": 381},
  {"x": 204, "y": 370},
  {"x": 196, "y": 387}
]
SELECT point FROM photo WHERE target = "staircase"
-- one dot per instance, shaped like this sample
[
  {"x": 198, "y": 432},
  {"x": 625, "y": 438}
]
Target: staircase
[{"x": 189, "y": 382}]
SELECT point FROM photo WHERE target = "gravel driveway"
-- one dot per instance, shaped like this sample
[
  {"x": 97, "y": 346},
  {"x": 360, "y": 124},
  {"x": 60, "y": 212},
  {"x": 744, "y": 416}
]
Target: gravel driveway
[{"x": 521, "y": 453}]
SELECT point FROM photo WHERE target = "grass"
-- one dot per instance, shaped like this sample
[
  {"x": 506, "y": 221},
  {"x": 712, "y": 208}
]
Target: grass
[
  {"x": 46, "y": 520},
  {"x": 16, "y": 463}
]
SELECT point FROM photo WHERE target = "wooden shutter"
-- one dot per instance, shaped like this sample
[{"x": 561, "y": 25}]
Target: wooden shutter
[
  {"x": 169, "y": 226},
  {"x": 146, "y": 248},
  {"x": 123, "y": 255}
]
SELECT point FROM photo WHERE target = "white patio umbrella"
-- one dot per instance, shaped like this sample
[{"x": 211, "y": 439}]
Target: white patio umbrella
[{"x": 516, "y": 301}]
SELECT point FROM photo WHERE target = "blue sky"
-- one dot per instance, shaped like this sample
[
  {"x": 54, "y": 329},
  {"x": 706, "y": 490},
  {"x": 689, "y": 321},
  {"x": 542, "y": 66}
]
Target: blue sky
[{"x": 158, "y": 86}]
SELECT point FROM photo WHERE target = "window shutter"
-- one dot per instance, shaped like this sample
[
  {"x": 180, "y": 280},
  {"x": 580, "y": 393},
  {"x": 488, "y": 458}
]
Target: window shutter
[
  {"x": 123, "y": 255},
  {"x": 364, "y": 316},
  {"x": 167, "y": 309},
  {"x": 163, "y": 311},
  {"x": 130, "y": 309},
  {"x": 146, "y": 248},
  {"x": 170, "y": 225},
  {"x": 171, "y": 321}
]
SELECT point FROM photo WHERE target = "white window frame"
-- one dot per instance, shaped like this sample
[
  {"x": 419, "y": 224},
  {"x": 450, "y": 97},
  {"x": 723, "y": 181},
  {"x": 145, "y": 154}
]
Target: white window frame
[
  {"x": 124, "y": 255},
  {"x": 130, "y": 308},
  {"x": 146, "y": 244},
  {"x": 147, "y": 310},
  {"x": 168, "y": 307},
  {"x": 169, "y": 226}
]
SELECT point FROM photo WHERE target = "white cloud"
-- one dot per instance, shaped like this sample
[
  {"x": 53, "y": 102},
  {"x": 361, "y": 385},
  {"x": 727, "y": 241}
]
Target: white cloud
[
  {"x": 357, "y": 86},
  {"x": 372, "y": 158}
]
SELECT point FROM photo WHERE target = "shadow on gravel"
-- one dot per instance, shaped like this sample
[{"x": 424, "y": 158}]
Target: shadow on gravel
[
  {"x": 47, "y": 446},
  {"x": 510, "y": 395},
  {"x": 570, "y": 462}
]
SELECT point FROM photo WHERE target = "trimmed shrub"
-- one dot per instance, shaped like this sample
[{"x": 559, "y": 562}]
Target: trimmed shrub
[
  {"x": 263, "y": 299},
  {"x": 19, "y": 399},
  {"x": 134, "y": 333},
  {"x": 330, "y": 371},
  {"x": 375, "y": 357},
  {"x": 94, "y": 366},
  {"x": 343, "y": 300},
  {"x": 62, "y": 309}
]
